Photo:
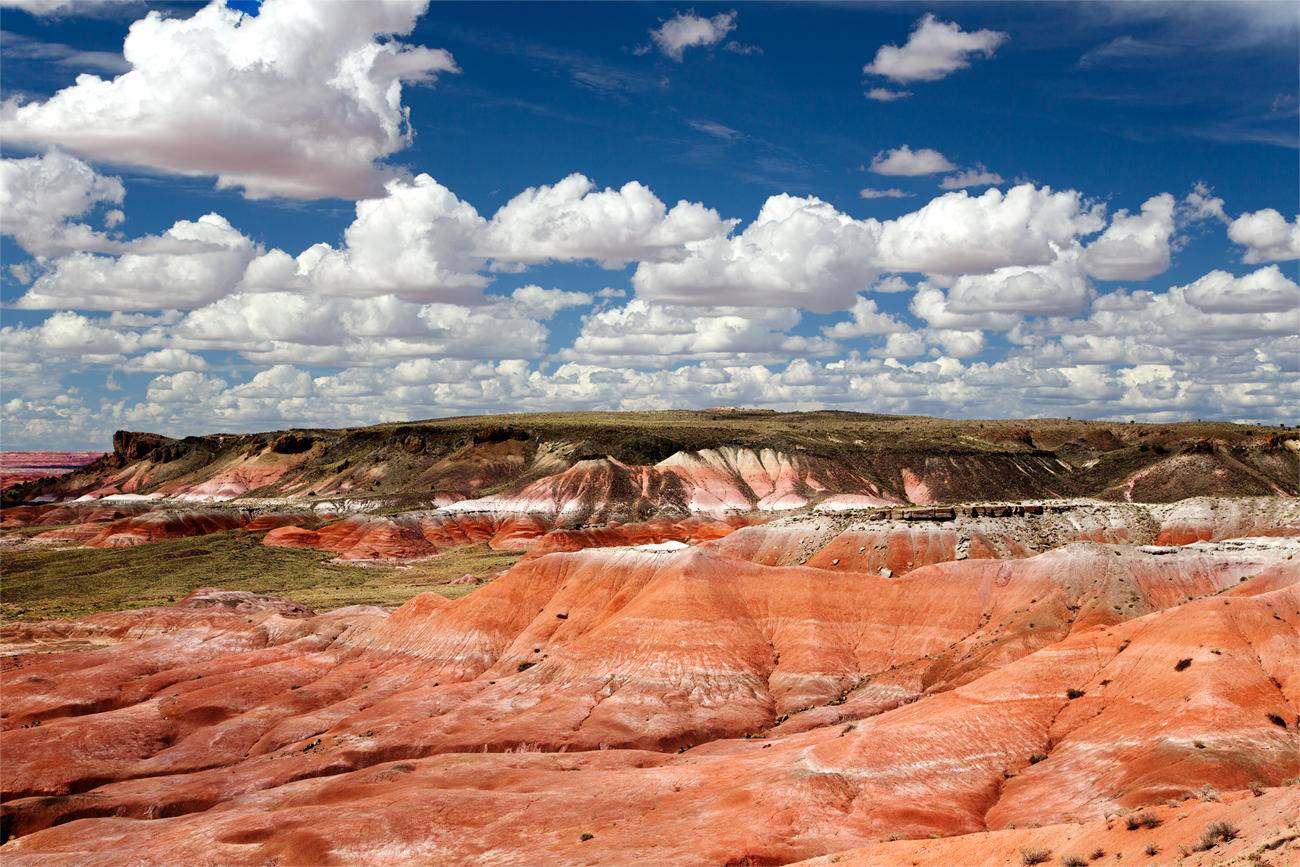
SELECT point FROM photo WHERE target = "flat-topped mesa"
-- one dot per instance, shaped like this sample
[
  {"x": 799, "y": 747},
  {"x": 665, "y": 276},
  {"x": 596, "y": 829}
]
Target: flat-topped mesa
[
  {"x": 131, "y": 446},
  {"x": 634, "y": 463}
]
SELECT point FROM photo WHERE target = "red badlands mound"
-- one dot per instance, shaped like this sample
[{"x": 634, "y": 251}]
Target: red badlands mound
[
  {"x": 411, "y": 535},
  {"x": 164, "y": 524},
  {"x": 422, "y": 534},
  {"x": 892, "y": 547},
  {"x": 176, "y": 523},
  {"x": 540, "y": 718},
  {"x": 498, "y": 454},
  {"x": 78, "y": 534},
  {"x": 84, "y": 512},
  {"x": 231, "y": 482},
  {"x": 838, "y": 539},
  {"x": 272, "y": 520}
]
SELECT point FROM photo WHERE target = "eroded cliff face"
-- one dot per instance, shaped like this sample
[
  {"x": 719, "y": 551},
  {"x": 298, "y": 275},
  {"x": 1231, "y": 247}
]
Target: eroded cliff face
[
  {"x": 714, "y": 703},
  {"x": 591, "y": 467}
]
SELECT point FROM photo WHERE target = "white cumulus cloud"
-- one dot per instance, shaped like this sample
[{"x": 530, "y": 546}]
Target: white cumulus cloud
[
  {"x": 166, "y": 360},
  {"x": 903, "y": 161},
  {"x": 1134, "y": 246},
  {"x": 1055, "y": 289},
  {"x": 68, "y": 334},
  {"x": 572, "y": 220},
  {"x": 688, "y": 30},
  {"x": 884, "y": 94},
  {"x": 957, "y": 233},
  {"x": 39, "y": 197},
  {"x": 1266, "y": 290},
  {"x": 302, "y": 100},
  {"x": 867, "y": 320},
  {"x": 418, "y": 241},
  {"x": 1267, "y": 236},
  {"x": 934, "y": 50},
  {"x": 797, "y": 252},
  {"x": 645, "y": 334},
  {"x": 192, "y": 263}
]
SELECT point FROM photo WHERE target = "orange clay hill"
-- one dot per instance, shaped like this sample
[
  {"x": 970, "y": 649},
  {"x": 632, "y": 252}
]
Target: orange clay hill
[{"x": 733, "y": 638}]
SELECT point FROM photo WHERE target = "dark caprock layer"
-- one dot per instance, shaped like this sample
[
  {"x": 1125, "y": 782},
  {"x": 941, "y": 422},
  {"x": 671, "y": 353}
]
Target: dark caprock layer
[{"x": 896, "y": 458}]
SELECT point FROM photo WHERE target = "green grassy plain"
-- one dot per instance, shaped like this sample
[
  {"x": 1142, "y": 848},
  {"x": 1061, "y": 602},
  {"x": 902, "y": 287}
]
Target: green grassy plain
[{"x": 65, "y": 581}]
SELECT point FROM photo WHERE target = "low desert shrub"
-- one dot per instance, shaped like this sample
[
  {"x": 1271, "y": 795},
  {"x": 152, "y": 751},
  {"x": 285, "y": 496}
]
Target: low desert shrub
[
  {"x": 1214, "y": 834},
  {"x": 1141, "y": 820}
]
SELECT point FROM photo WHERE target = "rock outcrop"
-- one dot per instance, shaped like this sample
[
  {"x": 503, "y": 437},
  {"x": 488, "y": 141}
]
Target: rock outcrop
[{"x": 591, "y": 467}]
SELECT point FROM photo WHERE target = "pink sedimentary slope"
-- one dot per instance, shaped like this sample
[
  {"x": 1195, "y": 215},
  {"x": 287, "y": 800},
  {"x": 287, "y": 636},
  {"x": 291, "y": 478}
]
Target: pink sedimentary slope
[
  {"x": 1202, "y": 518},
  {"x": 625, "y": 705},
  {"x": 710, "y": 481}
]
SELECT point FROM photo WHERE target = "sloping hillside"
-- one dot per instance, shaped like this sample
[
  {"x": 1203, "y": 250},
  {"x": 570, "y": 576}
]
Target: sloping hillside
[
  {"x": 596, "y": 466},
  {"x": 676, "y": 707}
]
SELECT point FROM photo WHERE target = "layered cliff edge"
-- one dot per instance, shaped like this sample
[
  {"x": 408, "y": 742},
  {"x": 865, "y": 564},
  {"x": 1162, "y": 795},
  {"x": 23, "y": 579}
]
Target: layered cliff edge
[{"x": 585, "y": 467}]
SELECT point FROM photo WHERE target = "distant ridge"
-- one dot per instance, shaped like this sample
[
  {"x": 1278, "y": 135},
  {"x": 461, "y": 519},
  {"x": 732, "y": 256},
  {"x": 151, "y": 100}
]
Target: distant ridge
[{"x": 632, "y": 465}]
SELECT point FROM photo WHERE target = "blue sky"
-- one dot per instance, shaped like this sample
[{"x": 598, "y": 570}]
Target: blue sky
[{"x": 1028, "y": 292}]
